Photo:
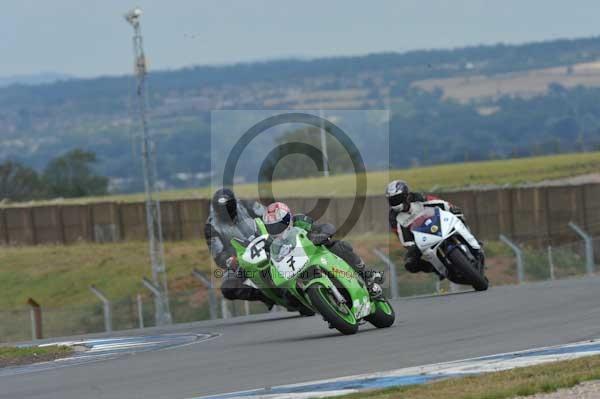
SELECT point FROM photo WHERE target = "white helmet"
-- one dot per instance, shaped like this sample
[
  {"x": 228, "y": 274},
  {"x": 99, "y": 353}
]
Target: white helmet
[{"x": 397, "y": 194}]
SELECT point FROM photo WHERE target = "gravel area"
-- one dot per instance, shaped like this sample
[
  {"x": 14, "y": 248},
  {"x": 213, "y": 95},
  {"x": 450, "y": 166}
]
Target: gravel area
[{"x": 585, "y": 390}]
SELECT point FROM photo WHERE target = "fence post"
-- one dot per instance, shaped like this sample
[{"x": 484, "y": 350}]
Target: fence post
[
  {"x": 247, "y": 307},
  {"x": 212, "y": 298},
  {"x": 140, "y": 309},
  {"x": 105, "y": 306},
  {"x": 589, "y": 247},
  {"x": 551, "y": 262},
  {"x": 153, "y": 289},
  {"x": 35, "y": 312},
  {"x": 225, "y": 309},
  {"x": 392, "y": 272},
  {"x": 519, "y": 255}
]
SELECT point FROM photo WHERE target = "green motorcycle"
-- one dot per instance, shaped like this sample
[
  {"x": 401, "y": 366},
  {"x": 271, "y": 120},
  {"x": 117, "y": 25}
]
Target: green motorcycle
[{"x": 297, "y": 274}]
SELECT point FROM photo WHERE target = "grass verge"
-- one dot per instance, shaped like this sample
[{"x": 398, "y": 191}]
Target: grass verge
[
  {"x": 58, "y": 277},
  {"x": 11, "y": 356},
  {"x": 501, "y": 385}
]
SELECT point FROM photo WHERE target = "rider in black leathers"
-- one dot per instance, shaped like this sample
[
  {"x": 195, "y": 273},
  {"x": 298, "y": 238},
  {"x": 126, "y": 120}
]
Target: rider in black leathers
[{"x": 231, "y": 218}]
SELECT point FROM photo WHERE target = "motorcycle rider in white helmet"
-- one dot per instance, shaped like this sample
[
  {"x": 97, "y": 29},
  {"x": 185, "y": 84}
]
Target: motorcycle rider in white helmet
[{"x": 405, "y": 208}]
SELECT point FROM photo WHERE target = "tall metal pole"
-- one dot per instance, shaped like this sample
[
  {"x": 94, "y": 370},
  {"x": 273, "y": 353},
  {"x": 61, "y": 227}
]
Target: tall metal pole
[
  {"x": 324, "y": 142},
  {"x": 155, "y": 238}
]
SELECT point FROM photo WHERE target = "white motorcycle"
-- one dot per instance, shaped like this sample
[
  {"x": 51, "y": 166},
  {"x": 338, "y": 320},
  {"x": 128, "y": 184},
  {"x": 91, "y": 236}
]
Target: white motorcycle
[{"x": 450, "y": 247}]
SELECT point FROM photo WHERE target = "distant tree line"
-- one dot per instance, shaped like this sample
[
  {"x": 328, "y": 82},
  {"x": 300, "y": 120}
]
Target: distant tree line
[
  {"x": 425, "y": 128},
  {"x": 70, "y": 175}
]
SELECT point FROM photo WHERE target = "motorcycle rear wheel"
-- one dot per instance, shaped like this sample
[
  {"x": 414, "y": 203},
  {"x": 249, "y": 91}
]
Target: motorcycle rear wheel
[{"x": 467, "y": 270}]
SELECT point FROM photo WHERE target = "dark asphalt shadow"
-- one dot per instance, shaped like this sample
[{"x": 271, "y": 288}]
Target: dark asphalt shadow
[
  {"x": 329, "y": 334},
  {"x": 261, "y": 321},
  {"x": 415, "y": 298}
]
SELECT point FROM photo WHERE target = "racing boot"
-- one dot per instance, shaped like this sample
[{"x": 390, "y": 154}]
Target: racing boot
[
  {"x": 375, "y": 290},
  {"x": 372, "y": 279},
  {"x": 260, "y": 296}
]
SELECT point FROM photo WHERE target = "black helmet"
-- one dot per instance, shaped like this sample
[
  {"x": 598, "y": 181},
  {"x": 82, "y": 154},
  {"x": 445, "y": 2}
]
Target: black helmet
[
  {"x": 225, "y": 204},
  {"x": 397, "y": 194}
]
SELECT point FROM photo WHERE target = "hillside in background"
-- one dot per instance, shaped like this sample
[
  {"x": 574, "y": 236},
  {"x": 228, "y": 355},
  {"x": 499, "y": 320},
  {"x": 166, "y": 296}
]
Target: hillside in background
[
  {"x": 34, "y": 79},
  {"x": 428, "y": 126},
  {"x": 561, "y": 169},
  {"x": 527, "y": 84}
]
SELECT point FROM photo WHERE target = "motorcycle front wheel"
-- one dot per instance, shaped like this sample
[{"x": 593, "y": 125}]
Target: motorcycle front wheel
[
  {"x": 340, "y": 316},
  {"x": 383, "y": 316},
  {"x": 467, "y": 270}
]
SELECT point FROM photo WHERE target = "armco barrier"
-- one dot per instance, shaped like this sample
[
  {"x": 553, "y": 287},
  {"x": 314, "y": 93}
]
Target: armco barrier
[{"x": 526, "y": 214}]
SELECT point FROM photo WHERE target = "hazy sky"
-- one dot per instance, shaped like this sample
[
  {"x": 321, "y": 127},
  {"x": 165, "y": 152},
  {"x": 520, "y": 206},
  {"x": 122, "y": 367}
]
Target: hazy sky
[{"x": 89, "y": 38}]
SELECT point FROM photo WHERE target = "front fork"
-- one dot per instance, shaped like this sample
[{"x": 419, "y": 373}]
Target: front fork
[
  {"x": 360, "y": 307},
  {"x": 478, "y": 257},
  {"x": 435, "y": 256}
]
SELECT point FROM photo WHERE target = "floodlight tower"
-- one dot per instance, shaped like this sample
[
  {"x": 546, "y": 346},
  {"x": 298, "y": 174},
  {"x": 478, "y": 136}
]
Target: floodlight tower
[
  {"x": 323, "y": 141},
  {"x": 155, "y": 238}
]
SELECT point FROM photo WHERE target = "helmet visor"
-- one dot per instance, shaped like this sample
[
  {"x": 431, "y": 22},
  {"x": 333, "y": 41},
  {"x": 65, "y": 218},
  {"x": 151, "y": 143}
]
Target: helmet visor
[
  {"x": 398, "y": 199},
  {"x": 276, "y": 228},
  {"x": 226, "y": 210}
]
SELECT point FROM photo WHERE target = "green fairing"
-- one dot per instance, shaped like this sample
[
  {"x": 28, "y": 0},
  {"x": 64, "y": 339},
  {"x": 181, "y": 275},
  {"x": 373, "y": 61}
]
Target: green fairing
[{"x": 295, "y": 266}]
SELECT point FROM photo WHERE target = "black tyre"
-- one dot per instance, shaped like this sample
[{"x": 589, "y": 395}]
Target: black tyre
[
  {"x": 338, "y": 316},
  {"x": 306, "y": 312},
  {"x": 383, "y": 316},
  {"x": 467, "y": 270}
]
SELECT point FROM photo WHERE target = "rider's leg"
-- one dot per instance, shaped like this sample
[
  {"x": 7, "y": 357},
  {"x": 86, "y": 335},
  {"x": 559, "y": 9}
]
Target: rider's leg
[
  {"x": 412, "y": 259},
  {"x": 344, "y": 250},
  {"x": 232, "y": 287},
  {"x": 414, "y": 263}
]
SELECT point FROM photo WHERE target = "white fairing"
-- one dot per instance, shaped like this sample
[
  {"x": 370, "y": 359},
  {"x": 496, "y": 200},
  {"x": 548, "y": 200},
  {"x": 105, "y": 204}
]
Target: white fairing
[
  {"x": 449, "y": 225},
  {"x": 291, "y": 263},
  {"x": 255, "y": 253}
]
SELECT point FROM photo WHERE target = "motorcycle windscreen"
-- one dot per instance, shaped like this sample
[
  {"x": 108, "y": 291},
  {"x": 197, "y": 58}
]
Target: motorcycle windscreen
[
  {"x": 288, "y": 255},
  {"x": 429, "y": 222}
]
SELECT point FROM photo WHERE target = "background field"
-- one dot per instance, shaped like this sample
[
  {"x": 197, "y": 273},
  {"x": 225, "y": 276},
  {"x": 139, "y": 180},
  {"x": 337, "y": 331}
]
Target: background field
[
  {"x": 432, "y": 178},
  {"x": 522, "y": 83}
]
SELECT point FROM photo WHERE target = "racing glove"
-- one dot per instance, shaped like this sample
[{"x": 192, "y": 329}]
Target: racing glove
[
  {"x": 455, "y": 210},
  {"x": 232, "y": 263},
  {"x": 319, "y": 238}
]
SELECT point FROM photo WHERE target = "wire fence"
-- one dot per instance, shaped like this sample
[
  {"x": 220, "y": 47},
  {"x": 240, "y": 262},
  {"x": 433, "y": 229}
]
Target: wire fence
[
  {"x": 186, "y": 306},
  {"x": 539, "y": 263}
]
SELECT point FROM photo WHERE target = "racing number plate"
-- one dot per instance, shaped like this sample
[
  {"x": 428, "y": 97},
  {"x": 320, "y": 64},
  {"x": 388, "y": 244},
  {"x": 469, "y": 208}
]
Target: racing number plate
[{"x": 255, "y": 253}]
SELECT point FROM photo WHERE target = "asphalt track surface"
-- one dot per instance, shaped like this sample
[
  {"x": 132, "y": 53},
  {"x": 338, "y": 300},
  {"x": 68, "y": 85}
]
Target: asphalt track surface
[{"x": 258, "y": 351}]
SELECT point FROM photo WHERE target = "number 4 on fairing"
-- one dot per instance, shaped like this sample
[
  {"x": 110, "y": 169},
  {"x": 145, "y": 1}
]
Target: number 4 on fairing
[
  {"x": 255, "y": 252},
  {"x": 257, "y": 248}
]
